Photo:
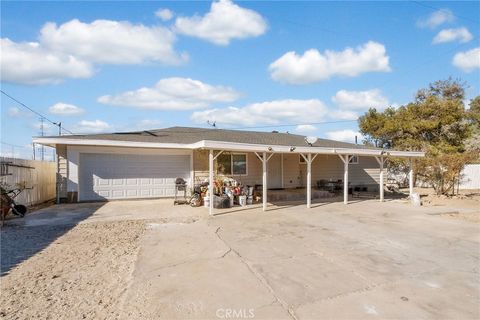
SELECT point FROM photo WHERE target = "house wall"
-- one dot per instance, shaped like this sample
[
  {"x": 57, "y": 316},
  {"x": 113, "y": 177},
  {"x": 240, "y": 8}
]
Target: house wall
[
  {"x": 73, "y": 156},
  {"x": 326, "y": 167},
  {"x": 294, "y": 173},
  {"x": 254, "y": 168},
  {"x": 291, "y": 171},
  {"x": 62, "y": 173}
]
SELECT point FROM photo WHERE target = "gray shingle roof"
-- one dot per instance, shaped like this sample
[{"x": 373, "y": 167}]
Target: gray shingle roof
[{"x": 187, "y": 135}]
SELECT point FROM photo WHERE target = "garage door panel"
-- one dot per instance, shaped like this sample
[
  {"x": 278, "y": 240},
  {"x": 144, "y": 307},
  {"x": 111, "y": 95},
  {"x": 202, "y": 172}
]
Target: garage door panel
[{"x": 117, "y": 176}]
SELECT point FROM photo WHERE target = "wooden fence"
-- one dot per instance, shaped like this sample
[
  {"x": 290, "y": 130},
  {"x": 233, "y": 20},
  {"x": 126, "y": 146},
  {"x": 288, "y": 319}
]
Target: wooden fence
[{"x": 38, "y": 178}]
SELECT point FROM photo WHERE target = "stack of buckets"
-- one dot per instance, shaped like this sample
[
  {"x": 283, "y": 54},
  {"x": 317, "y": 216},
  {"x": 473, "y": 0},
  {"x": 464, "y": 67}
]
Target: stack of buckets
[{"x": 250, "y": 195}]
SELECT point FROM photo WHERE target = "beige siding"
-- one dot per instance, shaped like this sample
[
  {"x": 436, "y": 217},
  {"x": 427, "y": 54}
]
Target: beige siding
[
  {"x": 291, "y": 171},
  {"x": 62, "y": 176},
  {"x": 294, "y": 173},
  {"x": 367, "y": 171},
  {"x": 254, "y": 168},
  {"x": 331, "y": 167}
]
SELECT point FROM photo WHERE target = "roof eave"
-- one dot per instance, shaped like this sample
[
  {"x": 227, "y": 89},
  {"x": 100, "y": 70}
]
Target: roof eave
[{"x": 224, "y": 145}]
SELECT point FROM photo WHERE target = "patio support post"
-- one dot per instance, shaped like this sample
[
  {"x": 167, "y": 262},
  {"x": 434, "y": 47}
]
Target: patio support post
[
  {"x": 210, "y": 180},
  {"x": 264, "y": 160},
  {"x": 410, "y": 178},
  {"x": 381, "y": 161},
  {"x": 345, "y": 160},
  {"x": 345, "y": 179},
  {"x": 309, "y": 180},
  {"x": 264, "y": 181}
]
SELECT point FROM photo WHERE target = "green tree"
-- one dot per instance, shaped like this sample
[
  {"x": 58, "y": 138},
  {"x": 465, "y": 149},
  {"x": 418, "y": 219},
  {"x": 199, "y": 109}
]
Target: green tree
[
  {"x": 472, "y": 144},
  {"x": 436, "y": 122}
]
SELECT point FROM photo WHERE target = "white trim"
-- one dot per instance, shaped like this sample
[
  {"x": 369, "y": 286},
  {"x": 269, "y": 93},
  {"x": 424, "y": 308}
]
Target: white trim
[{"x": 232, "y": 146}]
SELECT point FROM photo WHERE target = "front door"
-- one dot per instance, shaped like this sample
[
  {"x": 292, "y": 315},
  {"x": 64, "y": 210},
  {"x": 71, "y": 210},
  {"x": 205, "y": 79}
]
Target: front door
[{"x": 274, "y": 175}]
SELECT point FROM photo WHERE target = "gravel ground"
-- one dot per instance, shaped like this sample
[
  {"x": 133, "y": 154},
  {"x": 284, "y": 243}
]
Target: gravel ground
[{"x": 67, "y": 272}]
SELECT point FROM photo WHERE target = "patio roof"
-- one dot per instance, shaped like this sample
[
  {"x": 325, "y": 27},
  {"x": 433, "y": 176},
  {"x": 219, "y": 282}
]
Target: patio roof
[{"x": 220, "y": 139}]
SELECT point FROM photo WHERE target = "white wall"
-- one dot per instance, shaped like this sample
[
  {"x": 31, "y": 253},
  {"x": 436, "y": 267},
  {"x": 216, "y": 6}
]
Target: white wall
[{"x": 470, "y": 177}]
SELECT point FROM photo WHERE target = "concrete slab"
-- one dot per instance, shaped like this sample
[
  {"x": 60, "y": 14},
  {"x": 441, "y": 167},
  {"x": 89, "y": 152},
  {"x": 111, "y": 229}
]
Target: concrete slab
[
  {"x": 68, "y": 214},
  {"x": 365, "y": 260},
  {"x": 186, "y": 271}
]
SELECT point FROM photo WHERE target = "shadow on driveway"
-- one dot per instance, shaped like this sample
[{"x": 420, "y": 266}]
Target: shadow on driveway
[{"x": 21, "y": 239}]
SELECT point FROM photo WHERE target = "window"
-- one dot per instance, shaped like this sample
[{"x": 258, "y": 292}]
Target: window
[
  {"x": 224, "y": 164},
  {"x": 301, "y": 159},
  {"x": 239, "y": 163},
  {"x": 353, "y": 160},
  {"x": 232, "y": 164}
]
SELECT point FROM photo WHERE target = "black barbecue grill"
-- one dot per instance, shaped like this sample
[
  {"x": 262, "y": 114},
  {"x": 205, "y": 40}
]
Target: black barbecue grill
[{"x": 180, "y": 186}]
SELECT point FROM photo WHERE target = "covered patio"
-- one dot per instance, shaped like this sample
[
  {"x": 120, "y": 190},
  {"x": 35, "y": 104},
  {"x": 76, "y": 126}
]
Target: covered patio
[{"x": 309, "y": 154}]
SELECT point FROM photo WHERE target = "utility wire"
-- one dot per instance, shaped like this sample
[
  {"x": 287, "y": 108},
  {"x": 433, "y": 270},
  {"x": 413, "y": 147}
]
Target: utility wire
[
  {"x": 435, "y": 8},
  {"x": 14, "y": 145},
  {"x": 34, "y": 111},
  {"x": 293, "y": 124}
]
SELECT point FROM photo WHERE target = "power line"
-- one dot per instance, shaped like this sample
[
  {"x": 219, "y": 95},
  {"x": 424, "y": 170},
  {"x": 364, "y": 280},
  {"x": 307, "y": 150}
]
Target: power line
[
  {"x": 435, "y": 8},
  {"x": 34, "y": 111},
  {"x": 293, "y": 124},
  {"x": 14, "y": 145}
]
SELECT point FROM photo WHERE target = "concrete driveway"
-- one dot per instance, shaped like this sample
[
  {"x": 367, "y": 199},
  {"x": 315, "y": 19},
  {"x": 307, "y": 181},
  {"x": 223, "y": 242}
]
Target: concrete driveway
[{"x": 365, "y": 260}]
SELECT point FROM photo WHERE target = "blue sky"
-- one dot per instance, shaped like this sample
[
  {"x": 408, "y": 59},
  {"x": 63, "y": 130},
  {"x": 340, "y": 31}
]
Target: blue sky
[{"x": 118, "y": 66}]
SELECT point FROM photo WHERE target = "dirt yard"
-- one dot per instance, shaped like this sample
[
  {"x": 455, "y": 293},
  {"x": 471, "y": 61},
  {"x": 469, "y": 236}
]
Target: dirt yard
[
  {"x": 151, "y": 260},
  {"x": 81, "y": 274},
  {"x": 467, "y": 199}
]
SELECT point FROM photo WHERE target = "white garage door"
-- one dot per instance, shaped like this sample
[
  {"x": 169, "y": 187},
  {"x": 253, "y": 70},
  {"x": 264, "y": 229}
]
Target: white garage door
[{"x": 128, "y": 176}]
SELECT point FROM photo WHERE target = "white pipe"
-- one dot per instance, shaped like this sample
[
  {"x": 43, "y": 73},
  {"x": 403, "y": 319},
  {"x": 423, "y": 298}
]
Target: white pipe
[
  {"x": 381, "y": 179},
  {"x": 210, "y": 181},
  {"x": 264, "y": 181},
  {"x": 309, "y": 180},
  {"x": 345, "y": 179},
  {"x": 410, "y": 179}
]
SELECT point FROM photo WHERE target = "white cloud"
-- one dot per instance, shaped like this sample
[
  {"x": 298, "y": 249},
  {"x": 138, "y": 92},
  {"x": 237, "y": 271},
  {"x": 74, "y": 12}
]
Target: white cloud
[
  {"x": 436, "y": 18},
  {"x": 72, "y": 49},
  {"x": 13, "y": 112},
  {"x": 95, "y": 126},
  {"x": 147, "y": 124},
  {"x": 314, "y": 66},
  {"x": 346, "y": 135},
  {"x": 359, "y": 100},
  {"x": 16, "y": 112},
  {"x": 114, "y": 42},
  {"x": 269, "y": 112},
  {"x": 173, "y": 94},
  {"x": 225, "y": 21},
  {"x": 164, "y": 14},
  {"x": 343, "y": 114},
  {"x": 467, "y": 61},
  {"x": 447, "y": 35},
  {"x": 30, "y": 63},
  {"x": 305, "y": 128},
  {"x": 65, "y": 109}
]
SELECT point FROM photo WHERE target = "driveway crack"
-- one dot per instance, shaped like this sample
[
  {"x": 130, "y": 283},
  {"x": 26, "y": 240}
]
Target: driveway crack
[{"x": 259, "y": 276}]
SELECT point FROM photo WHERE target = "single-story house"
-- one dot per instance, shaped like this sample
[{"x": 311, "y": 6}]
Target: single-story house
[{"x": 145, "y": 164}]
